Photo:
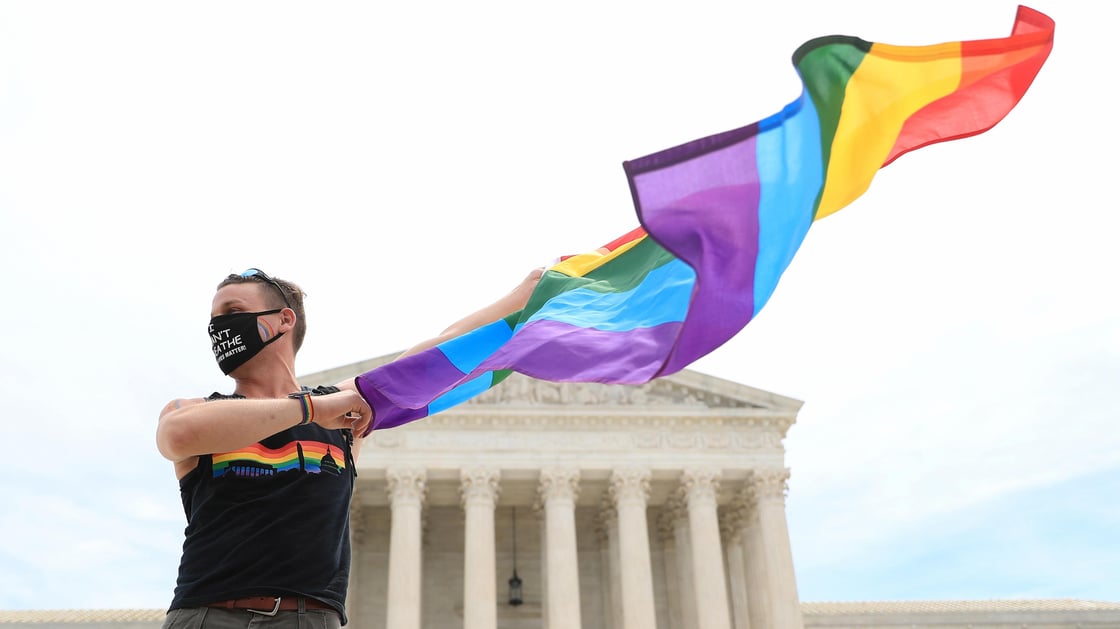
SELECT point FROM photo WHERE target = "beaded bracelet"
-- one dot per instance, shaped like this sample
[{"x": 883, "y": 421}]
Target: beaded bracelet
[{"x": 308, "y": 408}]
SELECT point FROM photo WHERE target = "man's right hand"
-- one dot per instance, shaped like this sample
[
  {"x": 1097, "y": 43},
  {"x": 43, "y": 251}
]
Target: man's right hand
[{"x": 345, "y": 409}]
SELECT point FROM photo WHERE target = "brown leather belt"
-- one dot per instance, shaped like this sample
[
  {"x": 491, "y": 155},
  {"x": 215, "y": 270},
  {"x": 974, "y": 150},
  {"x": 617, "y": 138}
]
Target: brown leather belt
[{"x": 269, "y": 605}]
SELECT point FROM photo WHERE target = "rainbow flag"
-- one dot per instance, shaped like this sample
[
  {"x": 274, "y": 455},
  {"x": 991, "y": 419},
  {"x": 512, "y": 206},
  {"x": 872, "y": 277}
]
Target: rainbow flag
[{"x": 721, "y": 217}]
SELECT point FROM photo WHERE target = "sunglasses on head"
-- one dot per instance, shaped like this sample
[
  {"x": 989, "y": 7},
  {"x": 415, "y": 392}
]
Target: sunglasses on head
[{"x": 267, "y": 278}]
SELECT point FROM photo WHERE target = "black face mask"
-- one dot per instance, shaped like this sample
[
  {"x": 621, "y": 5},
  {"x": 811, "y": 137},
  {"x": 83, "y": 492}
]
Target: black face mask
[{"x": 235, "y": 339}]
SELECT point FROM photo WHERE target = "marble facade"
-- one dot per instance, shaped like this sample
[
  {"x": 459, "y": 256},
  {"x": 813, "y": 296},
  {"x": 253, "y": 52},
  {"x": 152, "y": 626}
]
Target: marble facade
[{"x": 659, "y": 505}]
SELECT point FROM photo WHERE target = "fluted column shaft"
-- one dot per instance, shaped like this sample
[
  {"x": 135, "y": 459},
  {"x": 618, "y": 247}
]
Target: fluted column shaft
[
  {"x": 542, "y": 521},
  {"x": 754, "y": 557},
  {"x": 406, "y": 488},
  {"x": 665, "y": 532},
  {"x": 479, "y": 490},
  {"x": 629, "y": 489},
  {"x": 701, "y": 487},
  {"x": 689, "y": 616},
  {"x": 729, "y": 525},
  {"x": 559, "y": 488},
  {"x": 612, "y": 590},
  {"x": 770, "y": 491}
]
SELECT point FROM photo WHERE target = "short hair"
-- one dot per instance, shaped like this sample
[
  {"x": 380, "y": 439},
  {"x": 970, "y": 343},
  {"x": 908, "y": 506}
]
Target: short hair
[{"x": 279, "y": 294}]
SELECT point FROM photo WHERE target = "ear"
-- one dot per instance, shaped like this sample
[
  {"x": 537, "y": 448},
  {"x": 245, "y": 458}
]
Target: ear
[{"x": 287, "y": 320}]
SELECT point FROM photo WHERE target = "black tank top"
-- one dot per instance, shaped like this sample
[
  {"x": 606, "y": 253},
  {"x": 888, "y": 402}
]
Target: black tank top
[{"x": 271, "y": 519}]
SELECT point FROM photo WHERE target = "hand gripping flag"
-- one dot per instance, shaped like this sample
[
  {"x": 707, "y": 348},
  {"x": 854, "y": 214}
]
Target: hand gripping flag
[{"x": 721, "y": 217}]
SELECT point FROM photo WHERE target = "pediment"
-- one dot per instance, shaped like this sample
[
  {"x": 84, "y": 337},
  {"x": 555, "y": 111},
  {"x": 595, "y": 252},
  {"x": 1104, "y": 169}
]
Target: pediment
[{"x": 685, "y": 390}]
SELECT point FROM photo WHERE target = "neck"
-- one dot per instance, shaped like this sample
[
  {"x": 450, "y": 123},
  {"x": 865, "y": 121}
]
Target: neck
[{"x": 273, "y": 379}]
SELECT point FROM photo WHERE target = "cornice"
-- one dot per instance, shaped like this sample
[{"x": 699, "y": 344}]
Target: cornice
[
  {"x": 576, "y": 438},
  {"x": 596, "y": 418}
]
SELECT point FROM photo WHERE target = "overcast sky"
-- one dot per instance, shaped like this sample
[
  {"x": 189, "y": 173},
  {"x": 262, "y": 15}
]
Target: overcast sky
[{"x": 954, "y": 333}]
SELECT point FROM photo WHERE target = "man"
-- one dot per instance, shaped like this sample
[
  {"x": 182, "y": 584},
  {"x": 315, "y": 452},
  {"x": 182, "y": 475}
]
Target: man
[{"x": 266, "y": 474}]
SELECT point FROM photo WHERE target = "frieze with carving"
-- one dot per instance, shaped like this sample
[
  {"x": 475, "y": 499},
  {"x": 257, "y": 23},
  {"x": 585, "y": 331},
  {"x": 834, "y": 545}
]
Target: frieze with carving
[{"x": 604, "y": 441}]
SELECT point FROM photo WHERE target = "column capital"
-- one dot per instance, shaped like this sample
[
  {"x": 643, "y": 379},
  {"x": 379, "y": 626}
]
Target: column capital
[
  {"x": 608, "y": 514},
  {"x": 666, "y": 527},
  {"x": 606, "y": 520},
  {"x": 676, "y": 507},
  {"x": 770, "y": 483},
  {"x": 746, "y": 498},
  {"x": 742, "y": 508},
  {"x": 559, "y": 483},
  {"x": 730, "y": 523},
  {"x": 700, "y": 484},
  {"x": 406, "y": 484},
  {"x": 630, "y": 483},
  {"x": 479, "y": 485}
]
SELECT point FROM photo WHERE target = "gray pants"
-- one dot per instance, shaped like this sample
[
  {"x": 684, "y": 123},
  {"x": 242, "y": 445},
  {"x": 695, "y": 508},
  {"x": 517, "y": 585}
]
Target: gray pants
[{"x": 220, "y": 618}]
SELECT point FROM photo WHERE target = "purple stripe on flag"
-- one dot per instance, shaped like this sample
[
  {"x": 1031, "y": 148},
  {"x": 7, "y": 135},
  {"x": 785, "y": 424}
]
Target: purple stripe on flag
[
  {"x": 385, "y": 413},
  {"x": 552, "y": 350},
  {"x": 397, "y": 380},
  {"x": 700, "y": 201}
]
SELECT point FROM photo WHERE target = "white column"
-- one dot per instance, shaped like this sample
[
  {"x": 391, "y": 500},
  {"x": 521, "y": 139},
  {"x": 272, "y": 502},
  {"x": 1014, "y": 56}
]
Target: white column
[
  {"x": 559, "y": 488},
  {"x": 729, "y": 527},
  {"x": 701, "y": 487},
  {"x": 629, "y": 488},
  {"x": 479, "y": 490},
  {"x": 770, "y": 494},
  {"x": 357, "y": 539},
  {"x": 612, "y": 570},
  {"x": 754, "y": 557},
  {"x": 406, "y": 488},
  {"x": 542, "y": 521},
  {"x": 689, "y": 618},
  {"x": 604, "y": 567},
  {"x": 665, "y": 534}
]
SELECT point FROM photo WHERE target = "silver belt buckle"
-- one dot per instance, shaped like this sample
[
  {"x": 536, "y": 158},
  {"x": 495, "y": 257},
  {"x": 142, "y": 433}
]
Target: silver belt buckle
[{"x": 275, "y": 608}]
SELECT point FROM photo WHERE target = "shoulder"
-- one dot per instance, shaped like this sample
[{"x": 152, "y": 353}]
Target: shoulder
[{"x": 179, "y": 403}]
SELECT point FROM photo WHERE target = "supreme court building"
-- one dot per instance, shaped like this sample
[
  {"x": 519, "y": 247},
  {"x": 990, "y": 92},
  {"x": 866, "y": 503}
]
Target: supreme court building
[
  {"x": 659, "y": 506},
  {"x": 617, "y": 506}
]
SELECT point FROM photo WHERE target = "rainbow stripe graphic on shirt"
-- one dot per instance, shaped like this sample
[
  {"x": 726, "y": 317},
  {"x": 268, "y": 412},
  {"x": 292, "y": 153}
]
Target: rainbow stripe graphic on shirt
[{"x": 310, "y": 457}]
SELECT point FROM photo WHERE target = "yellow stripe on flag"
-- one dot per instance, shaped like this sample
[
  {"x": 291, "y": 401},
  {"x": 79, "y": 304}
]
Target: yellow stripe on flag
[{"x": 889, "y": 86}]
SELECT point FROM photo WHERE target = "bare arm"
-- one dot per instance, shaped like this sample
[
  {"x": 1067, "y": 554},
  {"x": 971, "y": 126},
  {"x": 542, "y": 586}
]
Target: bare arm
[
  {"x": 508, "y": 304},
  {"x": 188, "y": 428}
]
